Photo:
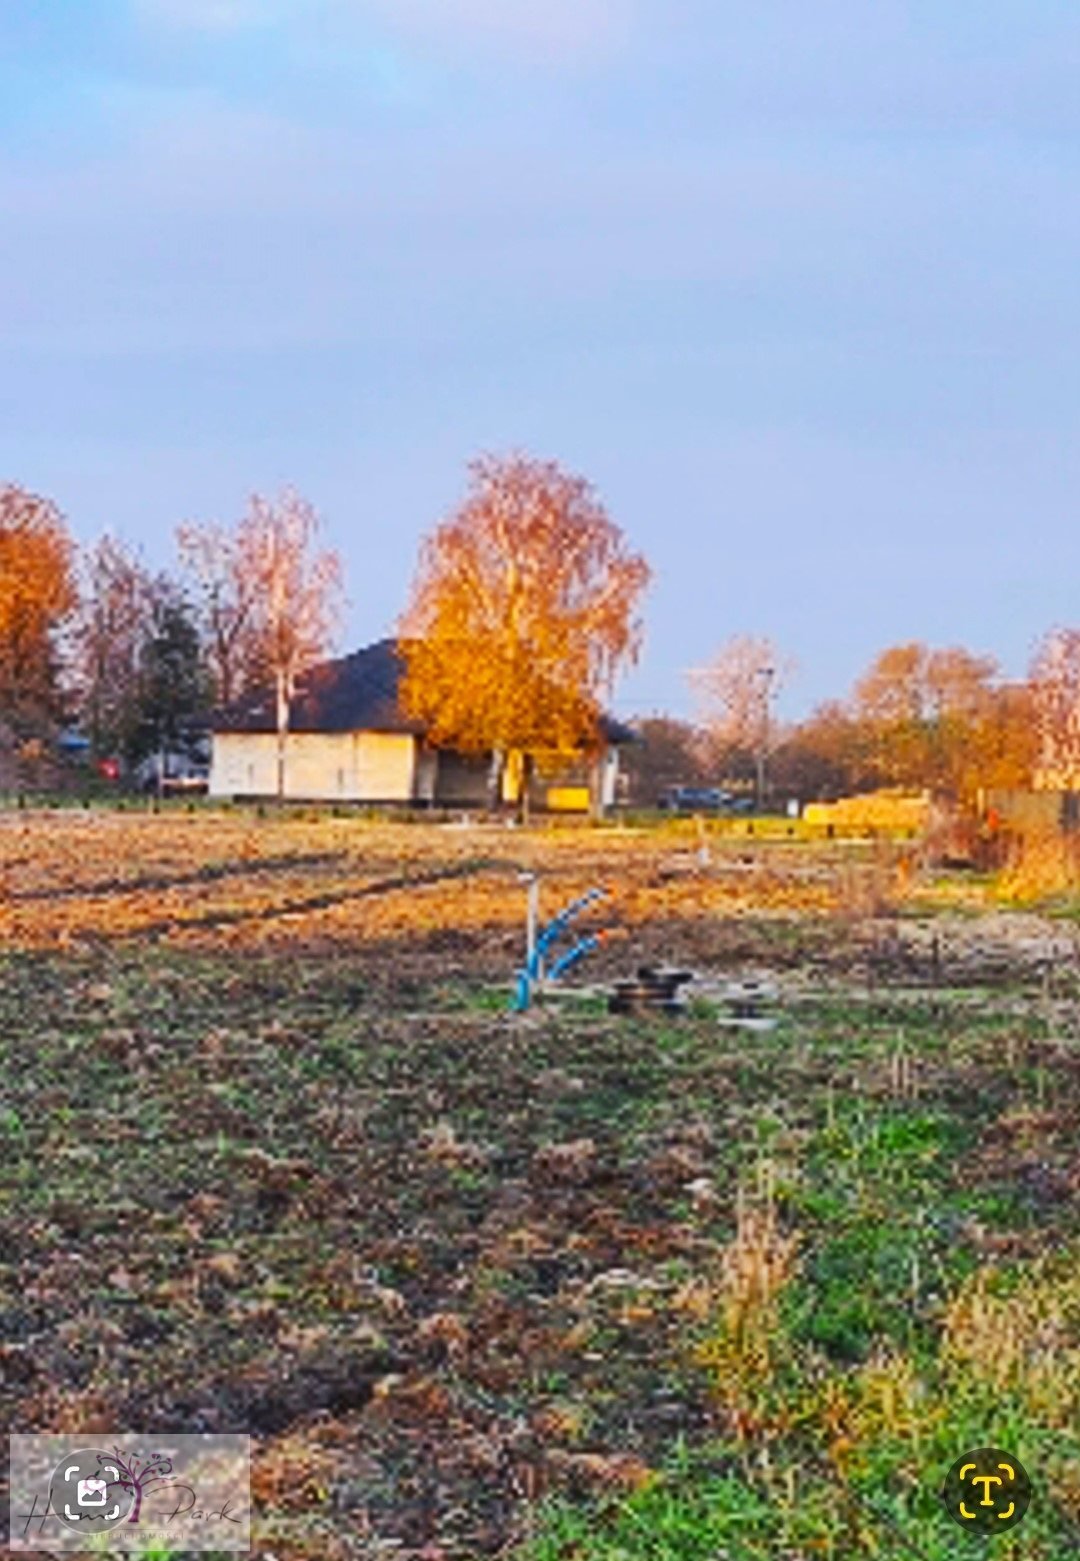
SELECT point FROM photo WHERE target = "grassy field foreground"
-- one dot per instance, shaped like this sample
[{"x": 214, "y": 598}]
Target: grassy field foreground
[{"x": 276, "y": 1158}]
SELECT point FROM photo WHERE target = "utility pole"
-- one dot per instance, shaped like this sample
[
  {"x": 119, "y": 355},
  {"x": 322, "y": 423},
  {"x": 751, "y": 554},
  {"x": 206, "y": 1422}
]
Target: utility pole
[{"x": 766, "y": 675}]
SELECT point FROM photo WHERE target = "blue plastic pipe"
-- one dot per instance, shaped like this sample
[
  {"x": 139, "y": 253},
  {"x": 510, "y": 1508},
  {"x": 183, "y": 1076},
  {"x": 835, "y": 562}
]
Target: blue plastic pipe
[{"x": 558, "y": 924}]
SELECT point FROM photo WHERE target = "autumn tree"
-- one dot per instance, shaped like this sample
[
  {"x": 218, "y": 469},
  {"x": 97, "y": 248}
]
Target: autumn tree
[
  {"x": 120, "y": 598},
  {"x": 927, "y": 714},
  {"x": 1055, "y": 688},
  {"x": 297, "y": 597},
  {"x": 823, "y": 756},
  {"x": 667, "y": 753},
  {"x": 37, "y": 596},
  {"x": 1004, "y": 752},
  {"x": 737, "y": 691},
  {"x": 524, "y": 608},
  {"x": 218, "y": 560}
]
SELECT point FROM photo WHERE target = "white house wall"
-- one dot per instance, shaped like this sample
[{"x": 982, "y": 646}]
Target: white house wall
[
  {"x": 378, "y": 767},
  {"x": 243, "y": 765},
  {"x": 319, "y": 766},
  {"x": 385, "y": 767}
]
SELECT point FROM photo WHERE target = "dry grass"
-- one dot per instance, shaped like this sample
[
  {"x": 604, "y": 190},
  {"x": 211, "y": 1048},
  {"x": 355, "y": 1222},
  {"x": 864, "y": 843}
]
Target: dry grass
[
  {"x": 741, "y": 1352},
  {"x": 1045, "y": 865},
  {"x": 1022, "y": 1340}
]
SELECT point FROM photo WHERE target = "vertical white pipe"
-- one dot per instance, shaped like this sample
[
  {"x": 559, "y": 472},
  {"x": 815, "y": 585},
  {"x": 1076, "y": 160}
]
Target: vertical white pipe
[{"x": 533, "y": 916}]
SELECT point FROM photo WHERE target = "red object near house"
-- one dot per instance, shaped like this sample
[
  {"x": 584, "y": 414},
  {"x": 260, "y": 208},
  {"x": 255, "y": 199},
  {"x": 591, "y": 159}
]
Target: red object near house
[{"x": 109, "y": 769}]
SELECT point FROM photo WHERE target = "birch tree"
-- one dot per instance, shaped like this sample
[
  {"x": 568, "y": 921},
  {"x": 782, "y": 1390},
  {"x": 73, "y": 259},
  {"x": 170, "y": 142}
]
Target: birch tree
[
  {"x": 217, "y": 560},
  {"x": 524, "y": 609},
  {"x": 297, "y": 597},
  {"x": 1055, "y": 685},
  {"x": 737, "y": 690}
]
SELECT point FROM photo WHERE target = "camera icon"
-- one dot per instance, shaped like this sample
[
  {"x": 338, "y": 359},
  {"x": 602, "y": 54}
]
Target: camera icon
[{"x": 87, "y": 1494}]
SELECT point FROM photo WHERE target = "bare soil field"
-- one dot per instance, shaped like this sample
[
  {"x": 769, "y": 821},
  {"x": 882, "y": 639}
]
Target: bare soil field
[{"x": 278, "y": 1158}]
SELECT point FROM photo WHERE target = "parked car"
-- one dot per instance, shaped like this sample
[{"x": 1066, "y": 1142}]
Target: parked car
[
  {"x": 183, "y": 776},
  {"x": 72, "y": 744},
  {"x": 196, "y": 783},
  {"x": 696, "y": 799}
]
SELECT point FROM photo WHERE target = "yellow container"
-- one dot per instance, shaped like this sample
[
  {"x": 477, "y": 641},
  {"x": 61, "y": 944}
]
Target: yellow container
[{"x": 568, "y": 799}]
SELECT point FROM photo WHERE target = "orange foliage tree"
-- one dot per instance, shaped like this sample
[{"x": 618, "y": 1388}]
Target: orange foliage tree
[
  {"x": 1003, "y": 750},
  {"x": 823, "y": 756},
  {"x": 37, "y": 594},
  {"x": 942, "y": 719},
  {"x": 524, "y": 608}
]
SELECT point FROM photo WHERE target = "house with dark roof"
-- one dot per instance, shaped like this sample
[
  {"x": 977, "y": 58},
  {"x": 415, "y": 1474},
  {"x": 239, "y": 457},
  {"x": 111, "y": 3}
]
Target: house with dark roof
[{"x": 350, "y": 741}]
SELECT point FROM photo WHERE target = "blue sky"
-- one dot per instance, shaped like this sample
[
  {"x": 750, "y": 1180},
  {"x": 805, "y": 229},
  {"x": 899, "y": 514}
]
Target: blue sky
[{"x": 794, "y": 284}]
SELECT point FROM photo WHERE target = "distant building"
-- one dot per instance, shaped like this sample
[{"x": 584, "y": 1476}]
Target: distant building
[
  {"x": 350, "y": 741},
  {"x": 1039, "y": 810},
  {"x": 1058, "y": 776}
]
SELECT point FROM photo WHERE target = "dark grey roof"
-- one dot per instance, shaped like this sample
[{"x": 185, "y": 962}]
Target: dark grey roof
[
  {"x": 357, "y": 693},
  {"x": 354, "y": 693}
]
